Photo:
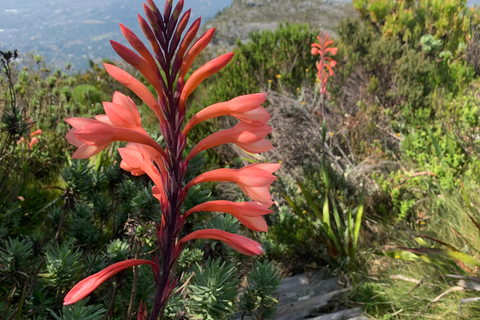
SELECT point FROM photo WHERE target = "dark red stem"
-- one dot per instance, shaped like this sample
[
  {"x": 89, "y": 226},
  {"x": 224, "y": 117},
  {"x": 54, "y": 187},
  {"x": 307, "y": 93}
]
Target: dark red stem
[{"x": 175, "y": 167}]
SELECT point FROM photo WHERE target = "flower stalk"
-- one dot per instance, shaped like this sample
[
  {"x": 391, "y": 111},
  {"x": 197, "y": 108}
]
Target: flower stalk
[
  {"x": 166, "y": 69},
  {"x": 325, "y": 69}
]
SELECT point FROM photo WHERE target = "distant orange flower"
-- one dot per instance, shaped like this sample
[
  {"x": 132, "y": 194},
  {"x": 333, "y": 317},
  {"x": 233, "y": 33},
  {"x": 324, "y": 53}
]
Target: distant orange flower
[
  {"x": 325, "y": 64},
  {"x": 33, "y": 142},
  {"x": 36, "y": 132}
]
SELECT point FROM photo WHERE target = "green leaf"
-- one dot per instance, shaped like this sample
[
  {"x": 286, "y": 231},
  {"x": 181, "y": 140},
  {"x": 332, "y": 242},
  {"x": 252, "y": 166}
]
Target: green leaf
[
  {"x": 310, "y": 200},
  {"x": 358, "y": 220}
]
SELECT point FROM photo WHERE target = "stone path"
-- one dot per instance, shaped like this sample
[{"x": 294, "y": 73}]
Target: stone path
[{"x": 310, "y": 297}]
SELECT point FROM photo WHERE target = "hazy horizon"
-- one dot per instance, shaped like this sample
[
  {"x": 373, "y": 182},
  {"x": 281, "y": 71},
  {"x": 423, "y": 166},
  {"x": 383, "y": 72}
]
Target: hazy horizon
[{"x": 78, "y": 31}]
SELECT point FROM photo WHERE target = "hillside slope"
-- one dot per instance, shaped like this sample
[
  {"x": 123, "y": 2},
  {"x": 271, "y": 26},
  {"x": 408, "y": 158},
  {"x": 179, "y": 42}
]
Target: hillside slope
[{"x": 244, "y": 16}]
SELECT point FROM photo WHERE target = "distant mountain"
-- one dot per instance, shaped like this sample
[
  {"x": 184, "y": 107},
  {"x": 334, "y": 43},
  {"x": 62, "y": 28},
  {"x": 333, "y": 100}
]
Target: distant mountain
[{"x": 78, "y": 30}]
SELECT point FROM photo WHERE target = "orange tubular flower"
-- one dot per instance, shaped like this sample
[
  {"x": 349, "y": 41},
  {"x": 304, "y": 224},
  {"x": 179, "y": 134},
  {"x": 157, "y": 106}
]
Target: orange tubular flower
[
  {"x": 137, "y": 87},
  {"x": 254, "y": 180},
  {"x": 324, "y": 69},
  {"x": 248, "y": 137},
  {"x": 87, "y": 285},
  {"x": 202, "y": 73},
  {"x": 33, "y": 142},
  {"x": 248, "y": 213},
  {"x": 36, "y": 132},
  {"x": 99, "y": 134},
  {"x": 242, "y": 244},
  {"x": 245, "y": 108}
]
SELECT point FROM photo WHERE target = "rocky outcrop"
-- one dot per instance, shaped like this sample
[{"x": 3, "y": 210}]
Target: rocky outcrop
[{"x": 245, "y": 16}]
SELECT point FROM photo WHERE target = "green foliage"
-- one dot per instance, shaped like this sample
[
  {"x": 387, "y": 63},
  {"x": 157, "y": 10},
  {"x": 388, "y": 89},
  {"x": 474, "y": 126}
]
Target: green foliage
[
  {"x": 213, "y": 291},
  {"x": 338, "y": 228},
  {"x": 78, "y": 177},
  {"x": 410, "y": 20},
  {"x": 62, "y": 265},
  {"x": 284, "y": 52},
  {"x": 17, "y": 252},
  {"x": 117, "y": 250},
  {"x": 258, "y": 301},
  {"x": 449, "y": 244},
  {"x": 79, "y": 311}
]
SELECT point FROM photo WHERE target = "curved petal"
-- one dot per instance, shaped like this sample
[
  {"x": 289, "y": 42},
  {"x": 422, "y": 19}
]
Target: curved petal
[
  {"x": 104, "y": 118},
  {"x": 127, "y": 102},
  {"x": 87, "y": 285},
  {"x": 242, "y": 134},
  {"x": 256, "y": 147},
  {"x": 260, "y": 194},
  {"x": 33, "y": 142},
  {"x": 240, "y": 107},
  {"x": 256, "y": 117},
  {"x": 120, "y": 116},
  {"x": 137, "y": 87},
  {"x": 78, "y": 122},
  {"x": 240, "y": 243},
  {"x": 72, "y": 139},
  {"x": 85, "y": 151},
  {"x": 248, "y": 213}
]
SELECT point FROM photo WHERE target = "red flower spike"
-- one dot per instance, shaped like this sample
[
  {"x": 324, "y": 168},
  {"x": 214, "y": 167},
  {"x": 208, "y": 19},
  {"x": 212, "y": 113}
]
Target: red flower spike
[
  {"x": 324, "y": 69},
  {"x": 157, "y": 25},
  {"x": 242, "y": 244},
  {"x": 87, "y": 285},
  {"x": 167, "y": 10},
  {"x": 248, "y": 213},
  {"x": 174, "y": 55},
  {"x": 147, "y": 31},
  {"x": 153, "y": 6},
  {"x": 202, "y": 73}
]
